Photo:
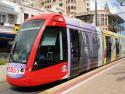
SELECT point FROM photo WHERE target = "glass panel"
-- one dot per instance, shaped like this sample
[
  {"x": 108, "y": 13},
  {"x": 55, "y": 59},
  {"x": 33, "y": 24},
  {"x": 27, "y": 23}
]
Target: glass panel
[
  {"x": 25, "y": 16},
  {"x": 11, "y": 18},
  {"x": 75, "y": 51},
  {"x": 24, "y": 40},
  {"x": 52, "y": 48},
  {"x": 49, "y": 39}
]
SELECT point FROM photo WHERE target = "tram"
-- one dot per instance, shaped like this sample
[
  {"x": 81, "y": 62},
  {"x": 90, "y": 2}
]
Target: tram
[{"x": 51, "y": 47}]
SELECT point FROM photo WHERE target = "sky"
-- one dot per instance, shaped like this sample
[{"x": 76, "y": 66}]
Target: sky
[{"x": 114, "y": 6}]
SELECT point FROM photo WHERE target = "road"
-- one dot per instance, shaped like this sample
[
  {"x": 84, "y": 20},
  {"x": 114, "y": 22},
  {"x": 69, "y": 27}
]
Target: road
[{"x": 5, "y": 88}]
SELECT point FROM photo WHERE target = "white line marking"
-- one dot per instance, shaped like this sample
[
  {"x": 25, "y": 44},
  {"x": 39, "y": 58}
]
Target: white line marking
[{"x": 88, "y": 79}]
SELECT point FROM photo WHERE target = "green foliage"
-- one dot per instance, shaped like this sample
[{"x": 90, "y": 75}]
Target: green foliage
[
  {"x": 3, "y": 62},
  {"x": 121, "y": 1}
]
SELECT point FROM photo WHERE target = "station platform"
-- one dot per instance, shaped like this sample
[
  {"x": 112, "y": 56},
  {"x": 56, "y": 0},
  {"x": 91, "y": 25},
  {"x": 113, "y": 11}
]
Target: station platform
[{"x": 108, "y": 79}]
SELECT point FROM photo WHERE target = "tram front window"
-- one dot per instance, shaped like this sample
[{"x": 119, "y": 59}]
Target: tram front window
[
  {"x": 24, "y": 40},
  {"x": 52, "y": 48}
]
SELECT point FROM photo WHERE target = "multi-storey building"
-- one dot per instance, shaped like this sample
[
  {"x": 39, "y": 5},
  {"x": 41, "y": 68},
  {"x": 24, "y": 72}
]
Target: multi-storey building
[
  {"x": 27, "y": 8},
  {"x": 105, "y": 19},
  {"x": 70, "y": 6},
  {"x": 14, "y": 12},
  {"x": 8, "y": 15}
]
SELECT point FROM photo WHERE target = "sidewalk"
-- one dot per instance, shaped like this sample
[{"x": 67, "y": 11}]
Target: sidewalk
[
  {"x": 3, "y": 69},
  {"x": 109, "y": 79}
]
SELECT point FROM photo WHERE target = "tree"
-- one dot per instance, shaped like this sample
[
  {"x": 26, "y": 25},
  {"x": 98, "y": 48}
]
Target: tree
[{"x": 121, "y": 2}]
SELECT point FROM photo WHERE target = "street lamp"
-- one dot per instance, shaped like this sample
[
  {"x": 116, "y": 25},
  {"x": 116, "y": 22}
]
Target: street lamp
[{"x": 95, "y": 13}]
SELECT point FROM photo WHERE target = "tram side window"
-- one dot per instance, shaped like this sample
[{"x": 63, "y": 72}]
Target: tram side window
[
  {"x": 95, "y": 47},
  {"x": 52, "y": 48}
]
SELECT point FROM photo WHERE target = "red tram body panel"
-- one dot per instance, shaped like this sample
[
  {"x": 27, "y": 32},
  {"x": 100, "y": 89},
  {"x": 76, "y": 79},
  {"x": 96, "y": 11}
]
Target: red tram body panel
[{"x": 45, "y": 75}]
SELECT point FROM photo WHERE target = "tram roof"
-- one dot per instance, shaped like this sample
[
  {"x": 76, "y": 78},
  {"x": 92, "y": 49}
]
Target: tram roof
[
  {"x": 106, "y": 32},
  {"x": 44, "y": 16},
  {"x": 69, "y": 21},
  {"x": 79, "y": 23}
]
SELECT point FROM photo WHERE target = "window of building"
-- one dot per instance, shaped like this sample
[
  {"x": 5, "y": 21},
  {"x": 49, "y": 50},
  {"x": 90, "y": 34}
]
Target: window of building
[
  {"x": 54, "y": 0},
  {"x": 88, "y": 9},
  {"x": 106, "y": 21},
  {"x": 48, "y": 1},
  {"x": 72, "y": 7},
  {"x": 60, "y": 4},
  {"x": 42, "y": 3},
  {"x": 72, "y": 1},
  {"x": 69, "y": 7},
  {"x": 98, "y": 22},
  {"x": 11, "y": 18},
  {"x": 3, "y": 19},
  {"x": 68, "y": 1},
  {"x": 0, "y": 18},
  {"x": 25, "y": 16},
  {"x": 102, "y": 21},
  {"x": 102, "y": 15},
  {"x": 106, "y": 15}
]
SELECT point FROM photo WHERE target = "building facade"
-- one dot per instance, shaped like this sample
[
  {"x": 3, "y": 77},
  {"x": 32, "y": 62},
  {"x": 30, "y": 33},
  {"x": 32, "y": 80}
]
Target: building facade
[
  {"x": 13, "y": 12},
  {"x": 71, "y": 7},
  {"x": 27, "y": 8},
  {"x": 8, "y": 15},
  {"x": 105, "y": 20}
]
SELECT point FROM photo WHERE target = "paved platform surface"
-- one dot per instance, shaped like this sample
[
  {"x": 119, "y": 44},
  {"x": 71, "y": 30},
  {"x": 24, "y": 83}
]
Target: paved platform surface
[
  {"x": 3, "y": 69},
  {"x": 109, "y": 79}
]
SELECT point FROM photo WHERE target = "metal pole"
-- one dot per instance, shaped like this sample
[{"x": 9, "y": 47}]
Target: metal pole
[{"x": 95, "y": 13}]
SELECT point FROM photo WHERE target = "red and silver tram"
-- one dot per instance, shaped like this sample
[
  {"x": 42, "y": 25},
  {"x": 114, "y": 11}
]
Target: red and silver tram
[{"x": 51, "y": 47}]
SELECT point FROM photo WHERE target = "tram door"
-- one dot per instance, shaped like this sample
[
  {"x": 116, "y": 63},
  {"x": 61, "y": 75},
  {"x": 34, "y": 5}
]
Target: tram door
[
  {"x": 75, "y": 52},
  {"x": 117, "y": 48},
  {"x": 108, "y": 49}
]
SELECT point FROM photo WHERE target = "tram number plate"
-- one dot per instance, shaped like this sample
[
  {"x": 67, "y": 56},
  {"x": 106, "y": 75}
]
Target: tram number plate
[{"x": 12, "y": 70}]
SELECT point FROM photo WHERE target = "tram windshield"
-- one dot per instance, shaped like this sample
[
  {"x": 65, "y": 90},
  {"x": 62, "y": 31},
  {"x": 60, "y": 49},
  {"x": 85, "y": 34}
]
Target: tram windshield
[
  {"x": 52, "y": 47},
  {"x": 24, "y": 40}
]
